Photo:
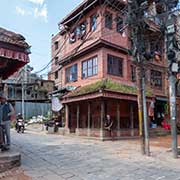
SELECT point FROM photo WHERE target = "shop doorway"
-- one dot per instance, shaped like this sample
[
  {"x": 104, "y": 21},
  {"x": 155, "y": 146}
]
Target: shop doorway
[{"x": 160, "y": 112}]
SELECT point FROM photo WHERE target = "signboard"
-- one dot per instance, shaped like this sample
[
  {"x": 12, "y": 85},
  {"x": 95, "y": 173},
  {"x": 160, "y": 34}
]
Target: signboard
[{"x": 56, "y": 104}]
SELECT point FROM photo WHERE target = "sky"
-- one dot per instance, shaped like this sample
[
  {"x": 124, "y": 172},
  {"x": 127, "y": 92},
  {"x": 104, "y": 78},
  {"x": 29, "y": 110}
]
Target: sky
[{"x": 36, "y": 20}]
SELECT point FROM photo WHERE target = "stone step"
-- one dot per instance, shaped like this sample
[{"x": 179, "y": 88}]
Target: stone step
[
  {"x": 9, "y": 160},
  {"x": 159, "y": 132}
]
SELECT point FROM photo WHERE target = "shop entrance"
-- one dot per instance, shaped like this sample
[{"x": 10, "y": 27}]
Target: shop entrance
[{"x": 160, "y": 112}]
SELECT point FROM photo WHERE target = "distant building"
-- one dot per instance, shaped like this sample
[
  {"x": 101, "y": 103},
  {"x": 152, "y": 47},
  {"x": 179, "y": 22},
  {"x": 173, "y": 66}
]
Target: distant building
[
  {"x": 36, "y": 88},
  {"x": 36, "y": 92}
]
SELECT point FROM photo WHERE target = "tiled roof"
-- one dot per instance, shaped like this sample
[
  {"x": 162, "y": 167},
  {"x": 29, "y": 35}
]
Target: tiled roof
[{"x": 12, "y": 38}]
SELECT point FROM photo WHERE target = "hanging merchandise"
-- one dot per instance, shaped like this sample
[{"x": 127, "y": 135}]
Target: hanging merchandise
[
  {"x": 151, "y": 109},
  {"x": 166, "y": 109}
]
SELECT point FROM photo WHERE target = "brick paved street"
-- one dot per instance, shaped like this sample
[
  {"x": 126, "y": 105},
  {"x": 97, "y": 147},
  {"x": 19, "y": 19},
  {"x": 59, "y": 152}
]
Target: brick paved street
[{"x": 54, "y": 157}]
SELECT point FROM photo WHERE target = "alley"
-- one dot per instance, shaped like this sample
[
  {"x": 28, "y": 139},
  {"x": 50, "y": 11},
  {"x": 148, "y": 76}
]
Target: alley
[{"x": 54, "y": 157}]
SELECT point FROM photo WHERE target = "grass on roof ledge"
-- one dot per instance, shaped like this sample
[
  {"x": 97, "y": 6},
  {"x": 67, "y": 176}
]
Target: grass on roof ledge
[
  {"x": 108, "y": 85},
  {"x": 105, "y": 84}
]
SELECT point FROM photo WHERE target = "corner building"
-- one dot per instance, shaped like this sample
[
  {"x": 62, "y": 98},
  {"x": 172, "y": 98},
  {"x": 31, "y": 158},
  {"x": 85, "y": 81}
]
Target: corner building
[{"x": 90, "y": 56}]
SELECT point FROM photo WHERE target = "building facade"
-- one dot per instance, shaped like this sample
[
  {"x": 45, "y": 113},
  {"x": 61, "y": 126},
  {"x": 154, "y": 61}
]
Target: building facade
[
  {"x": 36, "y": 92},
  {"x": 91, "y": 54},
  {"x": 35, "y": 87}
]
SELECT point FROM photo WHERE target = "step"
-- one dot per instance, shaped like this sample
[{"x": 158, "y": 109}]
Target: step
[{"x": 9, "y": 160}]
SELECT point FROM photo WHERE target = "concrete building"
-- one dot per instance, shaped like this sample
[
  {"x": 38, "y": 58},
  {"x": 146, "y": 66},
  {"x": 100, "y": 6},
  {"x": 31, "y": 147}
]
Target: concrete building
[
  {"x": 90, "y": 53},
  {"x": 36, "y": 92}
]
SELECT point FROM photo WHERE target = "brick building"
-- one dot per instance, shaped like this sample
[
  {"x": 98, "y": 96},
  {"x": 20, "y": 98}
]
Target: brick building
[{"x": 90, "y": 53}]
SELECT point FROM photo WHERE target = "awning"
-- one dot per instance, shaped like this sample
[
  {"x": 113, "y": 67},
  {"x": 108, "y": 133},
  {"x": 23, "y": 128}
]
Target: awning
[
  {"x": 14, "y": 55},
  {"x": 161, "y": 99},
  {"x": 11, "y": 61}
]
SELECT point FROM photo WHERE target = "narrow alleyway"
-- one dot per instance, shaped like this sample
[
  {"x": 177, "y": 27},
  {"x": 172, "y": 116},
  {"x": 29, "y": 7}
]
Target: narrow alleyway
[{"x": 54, "y": 157}]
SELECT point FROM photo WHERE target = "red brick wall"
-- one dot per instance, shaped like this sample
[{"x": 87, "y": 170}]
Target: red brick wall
[
  {"x": 100, "y": 33},
  {"x": 111, "y": 35},
  {"x": 80, "y": 81}
]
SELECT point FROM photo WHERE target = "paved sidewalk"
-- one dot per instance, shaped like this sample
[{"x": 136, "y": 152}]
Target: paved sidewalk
[{"x": 54, "y": 157}]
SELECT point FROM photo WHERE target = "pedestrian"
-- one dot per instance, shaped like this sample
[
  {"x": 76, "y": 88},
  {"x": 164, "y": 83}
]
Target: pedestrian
[
  {"x": 108, "y": 125},
  {"x": 6, "y": 111}
]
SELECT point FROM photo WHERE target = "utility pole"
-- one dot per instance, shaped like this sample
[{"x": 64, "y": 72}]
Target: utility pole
[
  {"x": 22, "y": 97},
  {"x": 172, "y": 94},
  {"x": 136, "y": 30},
  {"x": 173, "y": 69},
  {"x": 137, "y": 26},
  {"x": 23, "y": 84}
]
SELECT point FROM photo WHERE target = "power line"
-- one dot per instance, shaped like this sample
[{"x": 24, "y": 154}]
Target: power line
[
  {"x": 87, "y": 36},
  {"x": 76, "y": 49},
  {"x": 76, "y": 23}
]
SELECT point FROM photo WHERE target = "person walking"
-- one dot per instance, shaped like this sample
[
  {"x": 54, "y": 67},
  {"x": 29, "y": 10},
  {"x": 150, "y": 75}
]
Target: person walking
[{"x": 6, "y": 111}]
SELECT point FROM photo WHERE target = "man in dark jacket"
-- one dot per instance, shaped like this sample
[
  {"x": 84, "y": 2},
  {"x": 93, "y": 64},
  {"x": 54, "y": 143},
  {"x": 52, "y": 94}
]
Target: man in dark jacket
[{"x": 6, "y": 111}]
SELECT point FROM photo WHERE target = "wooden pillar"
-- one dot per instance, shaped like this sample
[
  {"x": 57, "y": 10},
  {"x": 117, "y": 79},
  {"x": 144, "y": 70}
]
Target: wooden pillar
[
  {"x": 132, "y": 119},
  {"x": 78, "y": 119},
  {"x": 89, "y": 119},
  {"x": 67, "y": 128},
  {"x": 118, "y": 120},
  {"x": 102, "y": 120}
]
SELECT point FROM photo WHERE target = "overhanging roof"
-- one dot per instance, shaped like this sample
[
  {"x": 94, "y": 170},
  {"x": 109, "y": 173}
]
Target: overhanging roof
[
  {"x": 85, "y": 6},
  {"x": 14, "y": 51},
  {"x": 10, "y": 37}
]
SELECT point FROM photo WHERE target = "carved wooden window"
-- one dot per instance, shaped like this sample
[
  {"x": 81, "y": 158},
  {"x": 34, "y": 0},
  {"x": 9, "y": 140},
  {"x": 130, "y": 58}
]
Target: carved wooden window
[
  {"x": 56, "y": 75},
  {"x": 156, "y": 78},
  {"x": 93, "y": 22},
  {"x": 119, "y": 24},
  {"x": 108, "y": 20},
  {"x": 133, "y": 73},
  {"x": 80, "y": 30},
  {"x": 56, "y": 45}
]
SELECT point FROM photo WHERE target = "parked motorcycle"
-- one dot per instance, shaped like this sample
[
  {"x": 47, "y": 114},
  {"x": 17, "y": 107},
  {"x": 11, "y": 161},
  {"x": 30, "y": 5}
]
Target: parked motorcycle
[{"x": 20, "y": 125}]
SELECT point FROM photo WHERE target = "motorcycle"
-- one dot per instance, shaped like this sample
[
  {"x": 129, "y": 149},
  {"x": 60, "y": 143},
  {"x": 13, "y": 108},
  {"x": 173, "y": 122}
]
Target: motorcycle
[{"x": 20, "y": 125}]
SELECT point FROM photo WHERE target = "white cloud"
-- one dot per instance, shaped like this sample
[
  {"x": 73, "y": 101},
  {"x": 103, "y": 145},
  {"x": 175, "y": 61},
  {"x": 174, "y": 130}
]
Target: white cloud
[
  {"x": 41, "y": 12},
  {"x": 40, "y": 2},
  {"x": 38, "y": 9},
  {"x": 20, "y": 11}
]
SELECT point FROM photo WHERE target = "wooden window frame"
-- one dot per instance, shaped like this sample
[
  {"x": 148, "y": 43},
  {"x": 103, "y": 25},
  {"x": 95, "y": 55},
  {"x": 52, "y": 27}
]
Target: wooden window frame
[
  {"x": 69, "y": 73},
  {"x": 56, "y": 75},
  {"x": 133, "y": 73},
  {"x": 154, "y": 75},
  {"x": 108, "y": 22},
  {"x": 92, "y": 68},
  {"x": 56, "y": 45},
  {"x": 56, "y": 60},
  {"x": 119, "y": 61},
  {"x": 119, "y": 24},
  {"x": 93, "y": 25}
]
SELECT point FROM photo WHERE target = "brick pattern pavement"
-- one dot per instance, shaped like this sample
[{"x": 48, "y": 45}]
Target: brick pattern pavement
[{"x": 54, "y": 157}]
